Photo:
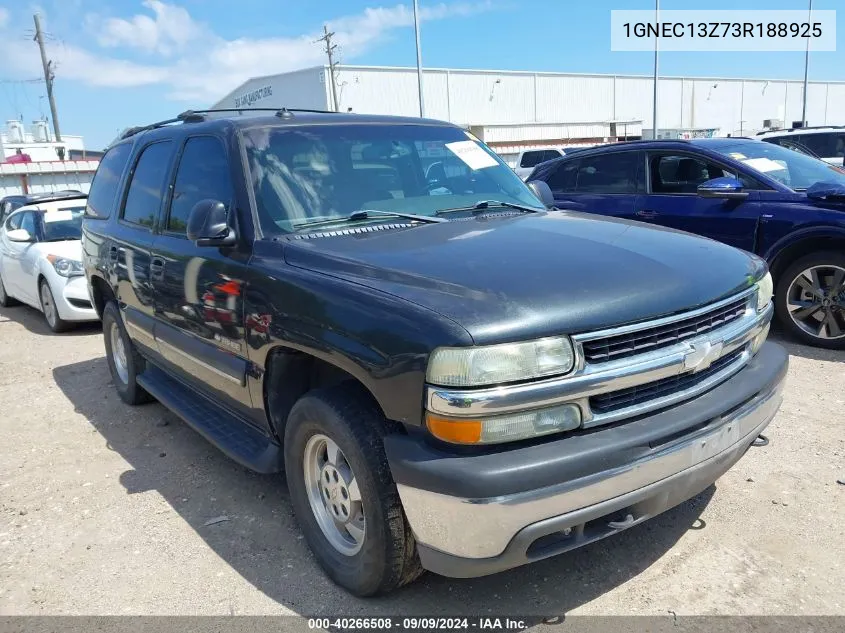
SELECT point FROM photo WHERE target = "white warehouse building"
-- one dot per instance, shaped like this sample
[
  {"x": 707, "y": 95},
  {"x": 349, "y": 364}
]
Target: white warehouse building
[{"x": 513, "y": 110}]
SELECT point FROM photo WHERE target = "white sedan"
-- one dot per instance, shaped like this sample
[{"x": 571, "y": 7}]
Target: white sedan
[{"x": 41, "y": 261}]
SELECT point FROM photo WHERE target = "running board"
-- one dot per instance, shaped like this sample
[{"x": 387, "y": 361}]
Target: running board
[{"x": 230, "y": 434}]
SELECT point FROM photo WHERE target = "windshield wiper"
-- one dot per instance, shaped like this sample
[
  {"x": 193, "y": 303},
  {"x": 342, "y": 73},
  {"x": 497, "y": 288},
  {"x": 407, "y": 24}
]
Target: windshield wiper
[
  {"x": 62, "y": 239},
  {"x": 482, "y": 205},
  {"x": 365, "y": 214}
]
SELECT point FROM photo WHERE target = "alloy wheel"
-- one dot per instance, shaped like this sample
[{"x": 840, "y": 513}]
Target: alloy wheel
[
  {"x": 48, "y": 306},
  {"x": 334, "y": 495},
  {"x": 118, "y": 353},
  {"x": 816, "y": 301}
]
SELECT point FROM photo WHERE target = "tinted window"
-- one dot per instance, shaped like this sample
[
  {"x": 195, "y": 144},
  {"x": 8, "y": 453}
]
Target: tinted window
[
  {"x": 535, "y": 157},
  {"x": 825, "y": 144},
  {"x": 28, "y": 222},
  {"x": 203, "y": 174},
  {"x": 563, "y": 178},
  {"x": 103, "y": 189},
  {"x": 680, "y": 173},
  {"x": 144, "y": 197},
  {"x": 608, "y": 173}
]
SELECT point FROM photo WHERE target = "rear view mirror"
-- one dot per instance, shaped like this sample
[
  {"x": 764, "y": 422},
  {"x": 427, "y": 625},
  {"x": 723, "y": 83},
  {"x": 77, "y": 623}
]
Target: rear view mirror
[
  {"x": 543, "y": 192},
  {"x": 19, "y": 235},
  {"x": 726, "y": 187},
  {"x": 208, "y": 224}
]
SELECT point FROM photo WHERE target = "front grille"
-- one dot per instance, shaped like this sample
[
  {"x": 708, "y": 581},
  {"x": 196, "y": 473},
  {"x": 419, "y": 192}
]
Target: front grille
[
  {"x": 632, "y": 343},
  {"x": 624, "y": 398}
]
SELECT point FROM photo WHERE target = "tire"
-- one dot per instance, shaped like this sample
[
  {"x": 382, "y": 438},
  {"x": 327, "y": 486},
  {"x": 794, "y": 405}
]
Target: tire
[
  {"x": 825, "y": 327},
  {"x": 125, "y": 367},
  {"x": 5, "y": 300},
  {"x": 387, "y": 556},
  {"x": 49, "y": 308}
]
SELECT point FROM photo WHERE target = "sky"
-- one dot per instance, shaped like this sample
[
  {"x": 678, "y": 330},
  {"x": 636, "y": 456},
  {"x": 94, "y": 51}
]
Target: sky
[{"x": 120, "y": 63}]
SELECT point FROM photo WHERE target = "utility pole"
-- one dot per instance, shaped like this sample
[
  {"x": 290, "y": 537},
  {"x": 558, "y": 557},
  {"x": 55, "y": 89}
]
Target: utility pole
[
  {"x": 48, "y": 77},
  {"x": 806, "y": 71},
  {"x": 656, "y": 47},
  {"x": 330, "y": 48},
  {"x": 419, "y": 58}
]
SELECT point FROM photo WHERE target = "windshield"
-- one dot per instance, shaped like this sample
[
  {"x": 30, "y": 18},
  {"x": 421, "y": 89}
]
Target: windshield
[
  {"x": 63, "y": 224},
  {"x": 793, "y": 169},
  {"x": 313, "y": 173}
]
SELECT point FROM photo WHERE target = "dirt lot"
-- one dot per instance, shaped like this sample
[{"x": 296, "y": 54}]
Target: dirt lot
[{"x": 104, "y": 510}]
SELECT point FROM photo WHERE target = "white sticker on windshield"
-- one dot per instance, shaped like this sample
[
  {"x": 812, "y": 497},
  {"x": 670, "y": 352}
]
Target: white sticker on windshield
[
  {"x": 58, "y": 216},
  {"x": 764, "y": 164},
  {"x": 472, "y": 154},
  {"x": 737, "y": 156}
]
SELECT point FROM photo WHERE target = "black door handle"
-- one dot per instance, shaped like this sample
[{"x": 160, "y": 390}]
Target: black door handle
[
  {"x": 647, "y": 213},
  {"x": 113, "y": 254}
]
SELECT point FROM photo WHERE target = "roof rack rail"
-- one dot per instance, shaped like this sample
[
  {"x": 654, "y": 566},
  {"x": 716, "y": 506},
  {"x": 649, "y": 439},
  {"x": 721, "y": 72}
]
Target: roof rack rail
[
  {"x": 57, "y": 196},
  {"x": 799, "y": 129},
  {"x": 196, "y": 116}
]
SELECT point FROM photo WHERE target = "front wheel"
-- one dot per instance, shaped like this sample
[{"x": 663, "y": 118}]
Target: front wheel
[
  {"x": 49, "y": 308},
  {"x": 810, "y": 299},
  {"x": 343, "y": 495}
]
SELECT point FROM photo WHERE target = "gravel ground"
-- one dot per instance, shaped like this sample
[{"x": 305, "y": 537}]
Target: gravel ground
[{"x": 104, "y": 510}]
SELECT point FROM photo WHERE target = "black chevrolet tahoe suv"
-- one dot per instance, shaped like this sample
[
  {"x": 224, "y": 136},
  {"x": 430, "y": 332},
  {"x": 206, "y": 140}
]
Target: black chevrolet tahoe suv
[{"x": 452, "y": 376}]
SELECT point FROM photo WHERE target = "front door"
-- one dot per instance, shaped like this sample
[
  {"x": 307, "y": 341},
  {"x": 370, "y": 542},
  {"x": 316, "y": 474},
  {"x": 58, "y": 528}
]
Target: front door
[
  {"x": 199, "y": 290},
  {"x": 606, "y": 184},
  {"x": 672, "y": 200}
]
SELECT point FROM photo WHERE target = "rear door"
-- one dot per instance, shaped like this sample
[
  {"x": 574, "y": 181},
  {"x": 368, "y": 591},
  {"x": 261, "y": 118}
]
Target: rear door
[
  {"x": 199, "y": 290},
  {"x": 605, "y": 183},
  {"x": 132, "y": 239},
  {"x": 672, "y": 199}
]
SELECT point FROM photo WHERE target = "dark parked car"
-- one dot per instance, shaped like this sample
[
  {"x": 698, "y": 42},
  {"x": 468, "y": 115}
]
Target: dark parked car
[
  {"x": 452, "y": 377},
  {"x": 16, "y": 201},
  {"x": 782, "y": 205}
]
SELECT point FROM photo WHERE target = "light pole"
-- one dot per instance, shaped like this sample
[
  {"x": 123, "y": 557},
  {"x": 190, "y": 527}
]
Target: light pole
[
  {"x": 656, "y": 47},
  {"x": 419, "y": 57},
  {"x": 806, "y": 70}
]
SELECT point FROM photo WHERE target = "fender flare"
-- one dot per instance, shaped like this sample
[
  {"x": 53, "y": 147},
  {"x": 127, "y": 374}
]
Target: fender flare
[{"x": 807, "y": 233}]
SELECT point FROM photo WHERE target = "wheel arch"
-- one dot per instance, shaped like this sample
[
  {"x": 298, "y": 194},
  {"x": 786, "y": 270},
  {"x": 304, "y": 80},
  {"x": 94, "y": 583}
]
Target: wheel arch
[
  {"x": 290, "y": 373},
  {"x": 801, "y": 243},
  {"x": 101, "y": 293}
]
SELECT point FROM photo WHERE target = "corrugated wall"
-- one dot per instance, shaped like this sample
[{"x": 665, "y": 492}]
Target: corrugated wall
[{"x": 497, "y": 98}]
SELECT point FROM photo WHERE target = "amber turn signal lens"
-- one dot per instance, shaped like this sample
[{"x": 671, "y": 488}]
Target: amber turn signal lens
[{"x": 456, "y": 431}]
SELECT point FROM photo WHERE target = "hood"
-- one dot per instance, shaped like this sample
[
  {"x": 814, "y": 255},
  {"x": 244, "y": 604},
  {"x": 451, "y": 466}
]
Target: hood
[
  {"x": 506, "y": 278},
  {"x": 69, "y": 249}
]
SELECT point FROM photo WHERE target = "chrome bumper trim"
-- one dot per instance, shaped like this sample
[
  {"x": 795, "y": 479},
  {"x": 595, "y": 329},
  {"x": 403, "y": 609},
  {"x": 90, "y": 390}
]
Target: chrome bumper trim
[
  {"x": 482, "y": 528},
  {"x": 602, "y": 378}
]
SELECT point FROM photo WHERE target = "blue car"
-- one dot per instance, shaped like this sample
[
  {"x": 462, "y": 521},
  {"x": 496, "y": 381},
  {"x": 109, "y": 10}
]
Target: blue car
[{"x": 786, "y": 207}]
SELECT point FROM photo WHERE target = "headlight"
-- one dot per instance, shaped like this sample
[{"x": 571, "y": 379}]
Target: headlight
[
  {"x": 765, "y": 288},
  {"x": 505, "y": 428},
  {"x": 66, "y": 267},
  {"x": 476, "y": 366}
]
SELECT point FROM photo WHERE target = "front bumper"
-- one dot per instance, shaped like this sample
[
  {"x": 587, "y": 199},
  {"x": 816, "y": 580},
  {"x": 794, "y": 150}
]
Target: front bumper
[
  {"x": 479, "y": 514},
  {"x": 74, "y": 301}
]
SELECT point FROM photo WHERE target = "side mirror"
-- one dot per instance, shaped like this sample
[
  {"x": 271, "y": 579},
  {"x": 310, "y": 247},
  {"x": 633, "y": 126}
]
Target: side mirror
[
  {"x": 208, "y": 224},
  {"x": 825, "y": 190},
  {"x": 19, "y": 235},
  {"x": 726, "y": 187},
  {"x": 543, "y": 192}
]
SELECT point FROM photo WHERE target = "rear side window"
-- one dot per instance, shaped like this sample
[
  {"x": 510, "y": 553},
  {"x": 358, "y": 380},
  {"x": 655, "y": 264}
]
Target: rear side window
[
  {"x": 106, "y": 181},
  {"x": 203, "y": 174},
  {"x": 535, "y": 157},
  {"x": 608, "y": 173},
  {"x": 143, "y": 200}
]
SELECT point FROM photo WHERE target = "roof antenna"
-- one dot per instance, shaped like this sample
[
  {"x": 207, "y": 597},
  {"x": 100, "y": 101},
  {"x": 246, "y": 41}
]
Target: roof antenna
[{"x": 284, "y": 113}]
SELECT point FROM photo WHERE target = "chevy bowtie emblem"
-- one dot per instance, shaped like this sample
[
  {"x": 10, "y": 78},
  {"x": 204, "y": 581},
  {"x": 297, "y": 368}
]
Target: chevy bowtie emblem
[{"x": 702, "y": 354}]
